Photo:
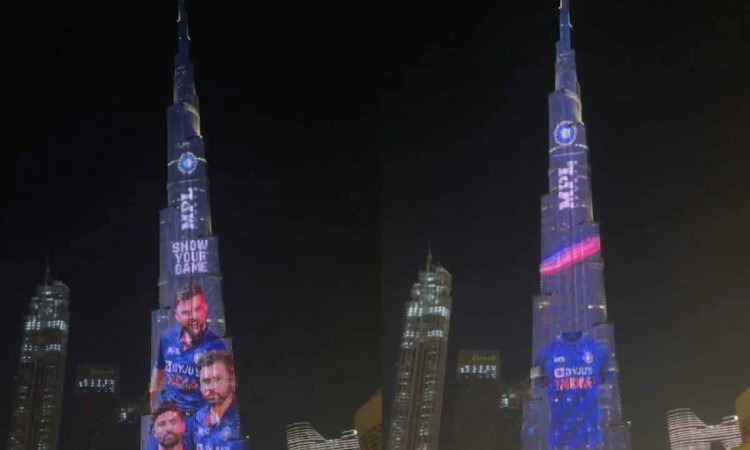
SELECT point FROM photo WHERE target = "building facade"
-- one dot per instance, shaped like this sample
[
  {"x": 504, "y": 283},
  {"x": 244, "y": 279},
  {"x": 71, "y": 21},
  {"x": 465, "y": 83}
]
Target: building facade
[
  {"x": 476, "y": 420},
  {"x": 418, "y": 399},
  {"x": 574, "y": 400},
  {"x": 302, "y": 436},
  {"x": 37, "y": 401},
  {"x": 189, "y": 322},
  {"x": 742, "y": 407},
  {"x": 368, "y": 421},
  {"x": 688, "y": 432},
  {"x": 511, "y": 413},
  {"x": 95, "y": 410}
]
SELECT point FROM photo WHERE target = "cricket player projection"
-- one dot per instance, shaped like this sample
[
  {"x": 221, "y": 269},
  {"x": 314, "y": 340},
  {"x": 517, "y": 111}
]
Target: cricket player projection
[
  {"x": 190, "y": 320},
  {"x": 169, "y": 428},
  {"x": 574, "y": 401},
  {"x": 216, "y": 424}
]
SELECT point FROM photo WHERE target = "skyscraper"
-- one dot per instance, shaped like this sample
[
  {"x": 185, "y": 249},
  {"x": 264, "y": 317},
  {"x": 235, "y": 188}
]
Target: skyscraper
[
  {"x": 574, "y": 400},
  {"x": 688, "y": 432},
  {"x": 95, "y": 409},
  {"x": 37, "y": 404},
  {"x": 511, "y": 412},
  {"x": 302, "y": 436},
  {"x": 477, "y": 408},
  {"x": 189, "y": 324},
  {"x": 418, "y": 399}
]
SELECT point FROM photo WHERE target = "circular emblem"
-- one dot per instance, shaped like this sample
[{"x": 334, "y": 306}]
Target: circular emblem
[
  {"x": 565, "y": 132},
  {"x": 226, "y": 433},
  {"x": 588, "y": 357},
  {"x": 196, "y": 357},
  {"x": 187, "y": 163}
]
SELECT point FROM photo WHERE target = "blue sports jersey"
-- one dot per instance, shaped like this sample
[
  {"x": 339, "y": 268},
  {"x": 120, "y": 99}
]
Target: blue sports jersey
[
  {"x": 572, "y": 370},
  {"x": 181, "y": 380},
  {"x": 224, "y": 435}
]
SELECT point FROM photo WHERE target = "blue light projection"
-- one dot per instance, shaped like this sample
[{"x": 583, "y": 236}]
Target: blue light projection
[
  {"x": 573, "y": 365},
  {"x": 565, "y": 132},
  {"x": 187, "y": 163}
]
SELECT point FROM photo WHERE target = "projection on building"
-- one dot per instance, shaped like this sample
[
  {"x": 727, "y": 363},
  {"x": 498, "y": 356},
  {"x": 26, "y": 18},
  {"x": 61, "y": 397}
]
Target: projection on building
[{"x": 192, "y": 385}]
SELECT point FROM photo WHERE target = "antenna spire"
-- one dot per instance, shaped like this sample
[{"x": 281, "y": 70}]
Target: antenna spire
[
  {"x": 183, "y": 38},
  {"x": 46, "y": 272},
  {"x": 565, "y": 25},
  {"x": 429, "y": 256}
]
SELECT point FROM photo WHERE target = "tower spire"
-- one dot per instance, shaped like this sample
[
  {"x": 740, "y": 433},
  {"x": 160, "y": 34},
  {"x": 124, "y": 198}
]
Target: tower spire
[
  {"x": 565, "y": 25},
  {"x": 46, "y": 272},
  {"x": 565, "y": 66},
  {"x": 183, "y": 38},
  {"x": 429, "y": 256},
  {"x": 184, "y": 85}
]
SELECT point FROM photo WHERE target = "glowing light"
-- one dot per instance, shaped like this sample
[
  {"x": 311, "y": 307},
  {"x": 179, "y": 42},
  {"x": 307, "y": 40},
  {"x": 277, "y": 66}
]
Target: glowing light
[
  {"x": 565, "y": 133},
  {"x": 570, "y": 255}
]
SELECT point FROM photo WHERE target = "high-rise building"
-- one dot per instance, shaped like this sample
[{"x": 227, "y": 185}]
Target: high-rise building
[
  {"x": 688, "y": 432},
  {"x": 129, "y": 412},
  {"x": 368, "y": 421},
  {"x": 477, "y": 408},
  {"x": 574, "y": 401},
  {"x": 511, "y": 413},
  {"x": 742, "y": 407},
  {"x": 37, "y": 403},
  {"x": 302, "y": 436},
  {"x": 95, "y": 411},
  {"x": 418, "y": 399},
  {"x": 189, "y": 324}
]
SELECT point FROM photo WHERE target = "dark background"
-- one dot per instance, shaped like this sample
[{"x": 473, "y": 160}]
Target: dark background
[{"x": 340, "y": 138}]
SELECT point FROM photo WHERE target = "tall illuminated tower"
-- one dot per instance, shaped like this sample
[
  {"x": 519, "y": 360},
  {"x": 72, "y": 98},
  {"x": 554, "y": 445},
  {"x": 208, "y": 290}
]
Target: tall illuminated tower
[
  {"x": 418, "y": 400},
  {"x": 190, "y": 320},
  {"x": 37, "y": 403},
  {"x": 574, "y": 400}
]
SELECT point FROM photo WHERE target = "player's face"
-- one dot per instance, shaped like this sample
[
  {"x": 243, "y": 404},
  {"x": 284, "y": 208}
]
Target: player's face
[
  {"x": 192, "y": 314},
  {"x": 216, "y": 384},
  {"x": 168, "y": 429}
]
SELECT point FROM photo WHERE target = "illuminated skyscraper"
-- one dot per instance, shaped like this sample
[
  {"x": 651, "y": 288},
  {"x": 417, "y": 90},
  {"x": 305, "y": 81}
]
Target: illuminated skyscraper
[
  {"x": 477, "y": 409},
  {"x": 302, "y": 436},
  {"x": 574, "y": 401},
  {"x": 418, "y": 399},
  {"x": 688, "y": 432},
  {"x": 37, "y": 404},
  {"x": 190, "y": 320}
]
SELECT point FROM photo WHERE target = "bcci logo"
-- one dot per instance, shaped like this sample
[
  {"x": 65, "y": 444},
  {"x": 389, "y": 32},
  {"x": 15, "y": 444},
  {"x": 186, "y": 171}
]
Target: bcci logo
[
  {"x": 226, "y": 433},
  {"x": 196, "y": 357},
  {"x": 588, "y": 357},
  {"x": 565, "y": 132},
  {"x": 187, "y": 163}
]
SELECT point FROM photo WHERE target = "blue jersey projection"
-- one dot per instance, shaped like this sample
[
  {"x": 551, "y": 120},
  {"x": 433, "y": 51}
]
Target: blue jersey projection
[
  {"x": 181, "y": 381},
  {"x": 562, "y": 410},
  {"x": 573, "y": 365},
  {"x": 220, "y": 435}
]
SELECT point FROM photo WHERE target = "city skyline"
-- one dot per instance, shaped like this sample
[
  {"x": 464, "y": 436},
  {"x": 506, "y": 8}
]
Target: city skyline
[{"x": 447, "y": 112}]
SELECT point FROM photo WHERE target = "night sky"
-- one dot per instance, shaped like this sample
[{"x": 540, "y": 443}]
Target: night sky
[{"x": 340, "y": 138}]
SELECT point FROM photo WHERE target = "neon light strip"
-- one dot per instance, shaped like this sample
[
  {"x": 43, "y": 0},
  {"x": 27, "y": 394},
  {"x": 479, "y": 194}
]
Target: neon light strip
[{"x": 571, "y": 255}]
